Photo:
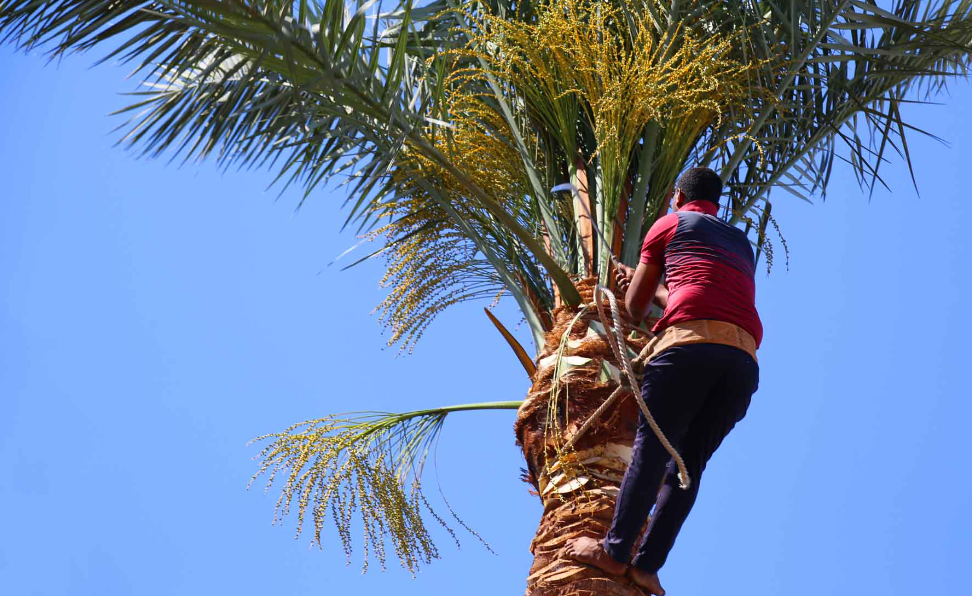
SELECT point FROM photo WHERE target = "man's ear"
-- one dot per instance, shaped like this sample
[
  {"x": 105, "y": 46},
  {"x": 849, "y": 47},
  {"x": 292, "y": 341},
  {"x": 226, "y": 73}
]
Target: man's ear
[{"x": 679, "y": 199}]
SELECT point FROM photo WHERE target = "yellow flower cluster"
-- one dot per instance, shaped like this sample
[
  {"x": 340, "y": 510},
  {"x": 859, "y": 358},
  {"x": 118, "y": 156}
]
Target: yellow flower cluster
[
  {"x": 431, "y": 263},
  {"x": 342, "y": 466},
  {"x": 602, "y": 66},
  {"x": 611, "y": 60}
]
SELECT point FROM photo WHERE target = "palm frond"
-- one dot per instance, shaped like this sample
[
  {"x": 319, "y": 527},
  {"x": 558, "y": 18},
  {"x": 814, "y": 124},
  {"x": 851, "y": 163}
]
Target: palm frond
[
  {"x": 848, "y": 67},
  {"x": 300, "y": 87},
  {"x": 364, "y": 463}
]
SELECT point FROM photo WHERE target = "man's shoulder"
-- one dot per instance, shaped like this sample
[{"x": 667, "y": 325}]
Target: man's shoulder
[
  {"x": 693, "y": 219},
  {"x": 706, "y": 228},
  {"x": 704, "y": 219},
  {"x": 662, "y": 227},
  {"x": 667, "y": 220}
]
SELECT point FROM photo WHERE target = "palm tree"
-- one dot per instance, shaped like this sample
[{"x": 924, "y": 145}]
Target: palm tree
[{"x": 451, "y": 122}]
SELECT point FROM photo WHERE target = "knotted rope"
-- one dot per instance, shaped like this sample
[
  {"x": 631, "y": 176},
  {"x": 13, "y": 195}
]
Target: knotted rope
[{"x": 619, "y": 347}]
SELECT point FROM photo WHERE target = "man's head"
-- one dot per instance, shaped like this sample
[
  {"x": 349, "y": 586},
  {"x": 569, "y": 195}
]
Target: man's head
[{"x": 697, "y": 184}]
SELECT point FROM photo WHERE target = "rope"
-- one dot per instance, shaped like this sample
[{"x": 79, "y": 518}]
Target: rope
[
  {"x": 619, "y": 347},
  {"x": 594, "y": 417},
  {"x": 621, "y": 353}
]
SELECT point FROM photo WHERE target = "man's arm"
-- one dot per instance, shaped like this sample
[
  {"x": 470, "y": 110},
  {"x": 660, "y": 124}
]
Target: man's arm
[
  {"x": 642, "y": 283},
  {"x": 661, "y": 296},
  {"x": 641, "y": 286}
]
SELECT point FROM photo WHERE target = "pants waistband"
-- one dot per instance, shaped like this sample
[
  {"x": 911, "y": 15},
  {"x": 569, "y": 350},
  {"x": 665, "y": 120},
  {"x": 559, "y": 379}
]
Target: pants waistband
[{"x": 702, "y": 331}]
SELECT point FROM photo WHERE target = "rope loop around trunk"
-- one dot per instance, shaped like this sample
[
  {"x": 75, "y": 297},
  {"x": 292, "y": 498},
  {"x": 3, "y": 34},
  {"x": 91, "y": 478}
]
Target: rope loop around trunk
[{"x": 619, "y": 347}]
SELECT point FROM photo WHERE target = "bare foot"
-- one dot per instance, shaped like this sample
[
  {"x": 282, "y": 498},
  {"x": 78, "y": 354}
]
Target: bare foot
[
  {"x": 647, "y": 581},
  {"x": 589, "y": 550}
]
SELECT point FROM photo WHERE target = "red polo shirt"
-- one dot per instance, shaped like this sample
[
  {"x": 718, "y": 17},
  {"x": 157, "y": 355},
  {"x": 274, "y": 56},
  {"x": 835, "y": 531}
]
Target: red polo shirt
[{"x": 709, "y": 265}]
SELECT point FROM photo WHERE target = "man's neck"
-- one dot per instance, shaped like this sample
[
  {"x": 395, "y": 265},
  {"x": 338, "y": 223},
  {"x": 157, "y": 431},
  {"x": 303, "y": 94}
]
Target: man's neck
[{"x": 701, "y": 206}]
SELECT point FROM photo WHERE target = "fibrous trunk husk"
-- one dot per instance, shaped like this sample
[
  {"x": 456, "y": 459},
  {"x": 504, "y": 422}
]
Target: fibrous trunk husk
[{"x": 578, "y": 485}]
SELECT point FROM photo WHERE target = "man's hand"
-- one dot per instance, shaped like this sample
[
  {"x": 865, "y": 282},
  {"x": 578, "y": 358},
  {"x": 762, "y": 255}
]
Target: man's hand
[
  {"x": 640, "y": 285},
  {"x": 623, "y": 276}
]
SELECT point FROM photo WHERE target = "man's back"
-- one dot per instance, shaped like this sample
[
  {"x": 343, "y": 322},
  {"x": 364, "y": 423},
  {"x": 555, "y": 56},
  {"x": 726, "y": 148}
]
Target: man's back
[{"x": 709, "y": 266}]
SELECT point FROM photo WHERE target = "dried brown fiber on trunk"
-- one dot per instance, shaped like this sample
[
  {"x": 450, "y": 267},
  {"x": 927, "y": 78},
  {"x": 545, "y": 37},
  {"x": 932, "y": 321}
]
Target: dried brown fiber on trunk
[{"x": 578, "y": 486}]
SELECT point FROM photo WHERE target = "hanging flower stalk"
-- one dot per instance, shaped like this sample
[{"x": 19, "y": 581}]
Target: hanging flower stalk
[{"x": 369, "y": 463}]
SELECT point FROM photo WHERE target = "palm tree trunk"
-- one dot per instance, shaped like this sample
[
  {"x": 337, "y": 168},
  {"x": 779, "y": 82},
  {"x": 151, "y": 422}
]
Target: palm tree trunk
[{"x": 579, "y": 485}]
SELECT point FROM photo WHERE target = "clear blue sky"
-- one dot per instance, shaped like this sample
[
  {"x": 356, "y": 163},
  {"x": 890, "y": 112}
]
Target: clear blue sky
[{"x": 154, "y": 318}]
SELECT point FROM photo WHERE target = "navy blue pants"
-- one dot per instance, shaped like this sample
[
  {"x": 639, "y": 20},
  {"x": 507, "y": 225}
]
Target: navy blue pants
[{"x": 696, "y": 393}]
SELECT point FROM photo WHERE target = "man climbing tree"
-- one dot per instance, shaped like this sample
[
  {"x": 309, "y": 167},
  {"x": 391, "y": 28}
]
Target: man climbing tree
[
  {"x": 700, "y": 380},
  {"x": 449, "y": 123}
]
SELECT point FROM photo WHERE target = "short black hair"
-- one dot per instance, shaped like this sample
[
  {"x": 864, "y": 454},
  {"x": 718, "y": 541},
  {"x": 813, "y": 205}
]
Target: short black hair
[{"x": 700, "y": 184}]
